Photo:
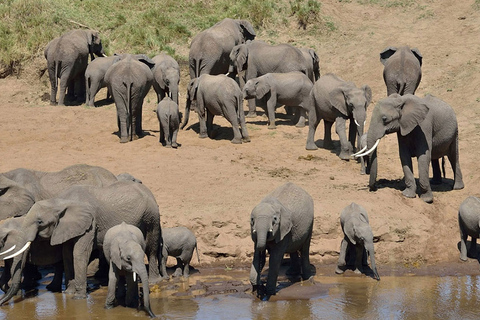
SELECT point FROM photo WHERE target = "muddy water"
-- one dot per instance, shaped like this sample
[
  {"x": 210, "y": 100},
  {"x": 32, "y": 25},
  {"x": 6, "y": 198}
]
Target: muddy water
[{"x": 226, "y": 295}]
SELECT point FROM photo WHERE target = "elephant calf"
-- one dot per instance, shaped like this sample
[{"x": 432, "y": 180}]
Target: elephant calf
[
  {"x": 469, "y": 223},
  {"x": 178, "y": 242},
  {"x": 95, "y": 75},
  {"x": 358, "y": 234},
  {"x": 124, "y": 249},
  {"x": 169, "y": 122}
]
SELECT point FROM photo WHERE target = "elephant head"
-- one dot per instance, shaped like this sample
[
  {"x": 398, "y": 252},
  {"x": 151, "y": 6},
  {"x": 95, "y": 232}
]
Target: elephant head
[
  {"x": 94, "y": 44},
  {"x": 15, "y": 199},
  {"x": 256, "y": 88},
  {"x": 395, "y": 113},
  {"x": 238, "y": 58},
  {"x": 192, "y": 89},
  {"x": 269, "y": 221},
  {"x": 246, "y": 29}
]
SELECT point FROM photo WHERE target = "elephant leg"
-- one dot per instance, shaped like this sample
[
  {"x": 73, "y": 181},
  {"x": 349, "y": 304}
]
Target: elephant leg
[
  {"x": 6, "y": 275},
  {"x": 463, "y": 240},
  {"x": 255, "y": 271},
  {"x": 131, "y": 298},
  {"x": 271, "y": 104},
  {"x": 122, "y": 118},
  {"x": 473, "y": 247},
  {"x": 56, "y": 284},
  {"x": 305, "y": 258},
  {"x": 81, "y": 254},
  {"x": 79, "y": 88},
  {"x": 67, "y": 256},
  {"x": 30, "y": 276},
  {"x": 154, "y": 255},
  {"x": 406, "y": 160},
  {"x": 358, "y": 258},
  {"x": 167, "y": 137},
  {"x": 178, "y": 270},
  {"x": 112, "y": 285},
  {"x": 327, "y": 137},
  {"x": 274, "y": 263},
  {"x": 174, "y": 138},
  {"x": 423, "y": 180},
  {"x": 201, "y": 119},
  {"x": 352, "y": 133},
  {"x": 64, "y": 79},
  {"x": 53, "y": 84},
  {"x": 231, "y": 115},
  {"x": 295, "y": 268},
  {"x": 91, "y": 91},
  {"x": 437, "y": 174},
  {"x": 163, "y": 264},
  {"x": 161, "y": 132},
  {"x": 209, "y": 124},
  {"x": 453, "y": 157},
  {"x": 251, "y": 109},
  {"x": 186, "y": 268},
  {"x": 313, "y": 121},
  {"x": 346, "y": 148},
  {"x": 342, "y": 257},
  {"x": 302, "y": 117}
]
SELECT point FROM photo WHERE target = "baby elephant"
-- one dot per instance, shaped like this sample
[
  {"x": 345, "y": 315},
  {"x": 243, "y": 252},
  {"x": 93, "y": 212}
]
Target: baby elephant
[
  {"x": 469, "y": 223},
  {"x": 169, "y": 121},
  {"x": 178, "y": 242},
  {"x": 358, "y": 234},
  {"x": 124, "y": 249}
]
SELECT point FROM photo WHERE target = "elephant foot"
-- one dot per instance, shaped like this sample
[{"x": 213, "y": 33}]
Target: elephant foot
[
  {"x": 311, "y": 146},
  {"x": 124, "y": 140},
  {"x": 203, "y": 135},
  {"x": 236, "y": 141},
  {"x": 345, "y": 155},
  {"x": 463, "y": 258},
  {"x": 357, "y": 271},
  {"x": 174, "y": 145},
  {"x": 251, "y": 114},
  {"x": 272, "y": 127},
  {"x": 177, "y": 273},
  {"x": 409, "y": 193},
  {"x": 246, "y": 139},
  {"x": 168, "y": 145},
  {"x": 458, "y": 185},
  {"x": 300, "y": 125},
  {"x": 427, "y": 197},
  {"x": 135, "y": 137},
  {"x": 109, "y": 306},
  {"x": 155, "y": 279},
  {"x": 339, "y": 270},
  {"x": 53, "y": 103},
  {"x": 80, "y": 296}
]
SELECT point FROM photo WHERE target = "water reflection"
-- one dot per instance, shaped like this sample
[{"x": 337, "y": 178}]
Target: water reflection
[{"x": 222, "y": 297}]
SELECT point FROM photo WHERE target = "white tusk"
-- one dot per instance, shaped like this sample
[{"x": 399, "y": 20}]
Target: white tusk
[
  {"x": 254, "y": 231},
  {"x": 356, "y": 122},
  {"x": 364, "y": 148},
  {"x": 7, "y": 251},
  {"x": 227, "y": 74},
  {"x": 134, "y": 277},
  {"x": 369, "y": 151},
  {"x": 364, "y": 122},
  {"x": 104, "y": 55},
  {"x": 271, "y": 230},
  {"x": 25, "y": 247}
]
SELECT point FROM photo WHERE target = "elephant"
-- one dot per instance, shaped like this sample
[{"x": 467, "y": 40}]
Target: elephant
[
  {"x": 178, "y": 242},
  {"x": 257, "y": 58},
  {"x": 67, "y": 59},
  {"x": 403, "y": 69},
  {"x": 124, "y": 249},
  {"x": 281, "y": 223},
  {"x": 129, "y": 81},
  {"x": 216, "y": 95},
  {"x": 95, "y": 77},
  {"x": 166, "y": 77},
  {"x": 313, "y": 70},
  {"x": 169, "y": 122},
  {"x": 43, "y": 254},
  {"x": 21, "y": 188},
  {"x": 337, "y": 100},
  {"x": 275, "y": 89},
  {"x": 357, "y": 233},
  {"x": 426, "y": 129},
  {"x": 469, "y": 223},
  {"x": 210, "y": 49},
  {"x": 78, "y": 219}
]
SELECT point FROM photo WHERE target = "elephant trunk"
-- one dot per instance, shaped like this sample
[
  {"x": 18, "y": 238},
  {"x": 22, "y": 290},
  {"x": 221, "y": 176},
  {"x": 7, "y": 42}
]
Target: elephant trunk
[
  {"x": 187, "y": 113},
  {"x": 371, "y": 253},
  {"x": 16, "y": 270},
  {"x": 142, "y": 273},
  {"x": 372, "y": 168},
  {"x": 174, "y": 93}
]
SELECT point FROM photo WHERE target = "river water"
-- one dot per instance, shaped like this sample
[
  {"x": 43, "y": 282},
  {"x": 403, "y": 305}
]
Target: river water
[{"x": 226, "y": 295}]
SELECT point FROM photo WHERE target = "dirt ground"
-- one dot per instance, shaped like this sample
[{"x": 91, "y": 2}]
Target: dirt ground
[{"x": 211, "y": 185}]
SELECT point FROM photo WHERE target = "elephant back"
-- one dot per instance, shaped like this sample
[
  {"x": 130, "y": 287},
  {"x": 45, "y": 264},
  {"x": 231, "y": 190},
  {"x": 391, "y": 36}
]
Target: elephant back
[{"x": 295, "y": 199}]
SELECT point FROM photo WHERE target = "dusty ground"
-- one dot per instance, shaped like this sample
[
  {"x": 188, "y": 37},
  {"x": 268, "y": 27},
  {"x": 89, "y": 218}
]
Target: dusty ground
[{"x": 211, "y": 186}]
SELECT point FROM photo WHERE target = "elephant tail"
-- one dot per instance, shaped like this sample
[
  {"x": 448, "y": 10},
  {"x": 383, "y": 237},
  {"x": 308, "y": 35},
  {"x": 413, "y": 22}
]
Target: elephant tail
[
  {"x": 58, "y": 67},
  {"x": 130, "y": 128},
  {"x": 198, "y": 255}
]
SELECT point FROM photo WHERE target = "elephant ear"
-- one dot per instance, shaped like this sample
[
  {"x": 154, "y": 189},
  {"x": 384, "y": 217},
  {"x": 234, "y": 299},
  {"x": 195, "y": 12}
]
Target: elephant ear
[
  {"x": 145, "y": 59},
  {"x": 285, "y": 220},
  {"x": 93, "y": 37},
  {"x": 349, "y": 230},
  {"x": 115, "y": 253},
  {"x": 417, "y": 54},
  {"x": 387, "y": 53},
  {"x": 412, "y": 114},
  {"x": 337, "y": 99},
  {"x": 247, "y": 29},
  {"x": 241, "y": 57},
  {"x": 192, "y": 89},
  {"x": 74, "y": 219},
  {"x": 368, "y": 94},
  {"x": 262, "y": 87}
]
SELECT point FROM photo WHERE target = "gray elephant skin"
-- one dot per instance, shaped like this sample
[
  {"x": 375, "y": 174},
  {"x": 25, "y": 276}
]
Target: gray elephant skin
[
  {"x": 210, "y": 49},
  {"x": 21, "y": 188},
  {"x": 273, "y": 90},
  {"x": 337, "y": 100},
  {"x": 469, "y": 223},
  {"x": 257, "y": 58},
  {"x": 42, "y": 254},
  {"x": 178, "y": 242},
  {"x": 95, "y": 77},
  {"x": 313, "y": 63},
  {"x": 217, "y": 95},
  {"x": 402, "y": 69},
  {"x": 166, "y": 77},
  {"x": 78, "y": 219},
  {"x": 124, "y": 249},
  {"x": 281, "y": 223},
  {"x": 169, "y": 122},
  {"x": 67, "y": 59},
  {"x": 426, "y": 129},
  {"x": 357, "y": 234},
  {"x": 129, "y": 81}
]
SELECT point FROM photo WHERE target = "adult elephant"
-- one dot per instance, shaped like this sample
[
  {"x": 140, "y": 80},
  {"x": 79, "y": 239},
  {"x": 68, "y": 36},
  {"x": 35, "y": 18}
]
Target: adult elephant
[
  {"x": 210, "y": 49},
  {"x": 403, "y": 69},
  {"x": 336, "y": 100},
  {"x": 129, "y": 81},
  {"x": 257, "y": 58},
  {"x": 426, "y": 129},
  {"x": 78, "y": 219},
  {"x": 95, "y": 77},
  {"x": 166, "y": 77},
  {"x": 21, "y": 188},
  {"x": 67, "y": 59},
  {"x": 281, "y": 223}
]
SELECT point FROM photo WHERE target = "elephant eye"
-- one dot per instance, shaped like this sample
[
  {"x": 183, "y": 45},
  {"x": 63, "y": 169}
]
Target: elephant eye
[
  {"x": 251, "y": 221},
  {"x": 275, "y": 219},
  {"x": 385, "y": 119},
  {"x": 39, "y": 222},
  {"x": 128, "y": 258}
]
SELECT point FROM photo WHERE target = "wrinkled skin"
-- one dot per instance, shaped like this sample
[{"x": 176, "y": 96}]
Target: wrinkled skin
[
  {"x": 217, "y": 95},
  {"x": 124, "y": 249},
  {"x": 257, "y": 58},
  {"x": 129, "y": 81},
  {"x": 469, "y": 223},
  {"x": 21, "y": 188},
  {"x": 336, "y": 100},
  {"x": 358, "y": 234},
  {"x": 426, "y": 129},
  {"x": 166, "y": 77},
  {"x": 169, "y": 122},
  {"x": 313, "y": 66},
  {"x": 78, "y": 219},
  {"x": 67, "y": 59},
  {"x": 95, "y": 76},
  {"x": 281, "y": 223},
  {"x": 178, "y": 242},
  {"x": 403, "y": 69},
  {"x": 210, "y": 49},
  {"x": 276, "y": 89}
]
